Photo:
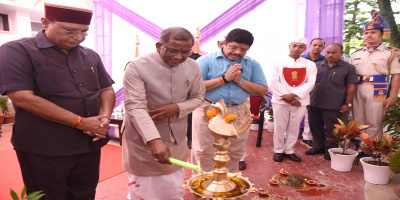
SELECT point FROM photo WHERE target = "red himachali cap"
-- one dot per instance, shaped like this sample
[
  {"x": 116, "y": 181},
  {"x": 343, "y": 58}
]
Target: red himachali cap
[{"x": 70, "y": 11}]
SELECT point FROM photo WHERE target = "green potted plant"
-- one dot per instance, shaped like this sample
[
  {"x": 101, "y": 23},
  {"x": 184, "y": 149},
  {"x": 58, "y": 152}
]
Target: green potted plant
[
  {"x": 392, "y": 119},
  {"x": 342, "y": 158},
  {"x": 394, "y": 165},
  {"x": 381, "y": 148},
  {"x": 5, "y": 109},
  {"x": 270, "y": 122},
  {"x": 3, "y": 104},
  {"x": 32, "y": 196}
]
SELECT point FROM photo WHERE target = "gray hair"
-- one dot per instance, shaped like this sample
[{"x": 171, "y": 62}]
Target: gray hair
[{"x": 176, "y": 33}]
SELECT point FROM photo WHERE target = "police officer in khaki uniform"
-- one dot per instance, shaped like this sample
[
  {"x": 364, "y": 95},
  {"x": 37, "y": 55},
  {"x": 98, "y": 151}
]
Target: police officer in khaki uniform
[{"x": 374, "y": 63}]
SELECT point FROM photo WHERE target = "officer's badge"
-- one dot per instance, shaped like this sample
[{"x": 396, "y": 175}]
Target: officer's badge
[{"x": 294, "y": 76}]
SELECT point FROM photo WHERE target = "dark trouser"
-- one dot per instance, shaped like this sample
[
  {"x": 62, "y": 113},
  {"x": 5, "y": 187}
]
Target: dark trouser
[
  {"x": 61, "y": 177},
  {"x": 317, "y": 118},
  {"x": 189, "y": 128}
]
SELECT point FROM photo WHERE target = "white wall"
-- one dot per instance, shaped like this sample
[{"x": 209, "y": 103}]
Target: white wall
[{"x": 20, "y": 14}]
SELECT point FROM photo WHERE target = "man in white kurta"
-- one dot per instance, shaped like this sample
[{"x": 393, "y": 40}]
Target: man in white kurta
[
  {"x": 160, "y": 89},
  {"x": 292, "y": 80}
]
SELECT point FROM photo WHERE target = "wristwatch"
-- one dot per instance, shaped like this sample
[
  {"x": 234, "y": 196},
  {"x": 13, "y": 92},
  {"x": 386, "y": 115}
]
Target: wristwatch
[
  {"x": 349, "y": 105},
  {"x": 241, "y": 82}
]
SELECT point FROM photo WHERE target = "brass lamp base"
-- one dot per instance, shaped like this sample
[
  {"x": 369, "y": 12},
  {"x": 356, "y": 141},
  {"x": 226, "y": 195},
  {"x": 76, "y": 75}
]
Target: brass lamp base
[{"x": 242, "y": 187}]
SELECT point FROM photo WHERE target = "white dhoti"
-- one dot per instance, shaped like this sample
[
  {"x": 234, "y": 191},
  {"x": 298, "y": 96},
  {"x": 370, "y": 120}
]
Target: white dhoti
[
  {"x": 164, "y": 187},
  {"x": 287, "y": 120}
]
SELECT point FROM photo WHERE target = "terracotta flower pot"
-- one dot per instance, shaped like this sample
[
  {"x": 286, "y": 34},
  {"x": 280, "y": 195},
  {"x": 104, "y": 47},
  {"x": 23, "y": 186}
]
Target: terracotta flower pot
[
  {"x": 340, "y": 162},
  {"x": 8, "y": 119},
  {"x": 2, "y": 119}
]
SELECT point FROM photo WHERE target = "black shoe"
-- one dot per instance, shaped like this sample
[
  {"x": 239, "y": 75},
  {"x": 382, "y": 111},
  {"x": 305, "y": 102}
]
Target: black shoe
[
  {"x": 315, "y": 151},
  {"x": 307, "y": 143},
  {"x": 242, "y": 165},
  {"x": 362, "y": 155},
  {"x": 278, "y": 157},
  {"x": 189, "y": 143},
  {"x": 327, "y": 157},
  {"x": 293, "y": 157}
]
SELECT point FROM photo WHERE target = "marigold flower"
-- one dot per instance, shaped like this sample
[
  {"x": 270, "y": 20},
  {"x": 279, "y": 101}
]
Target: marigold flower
[
  {"x": 229, "y": 118},
  {"x": 212, "y": 113}
]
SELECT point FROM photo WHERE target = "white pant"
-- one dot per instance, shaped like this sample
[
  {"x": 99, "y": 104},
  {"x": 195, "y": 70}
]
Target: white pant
[
  {"x": 287, "y": 120},
  {"x": 244, "y": 155},
  {"x": 307, "y": 132},
  {"x": 164, "y": 187}
]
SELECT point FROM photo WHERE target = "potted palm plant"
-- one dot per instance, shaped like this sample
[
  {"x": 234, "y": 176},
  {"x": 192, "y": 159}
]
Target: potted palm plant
[
  {"x": 392, "y": 119},
  {"x": 270, "y": 122},
  {"x": 342, "y": 158},
  {"x": 376, "y": 168},
  {"x": 5, "y": 110},
  {"x": 3, "y": 104}
]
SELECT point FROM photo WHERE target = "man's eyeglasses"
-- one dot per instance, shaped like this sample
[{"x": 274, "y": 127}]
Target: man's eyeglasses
[
  {"x": 231, "y": 48},
  {"x": 176, "y": 52},
  {"x": 72, "y": 33}
]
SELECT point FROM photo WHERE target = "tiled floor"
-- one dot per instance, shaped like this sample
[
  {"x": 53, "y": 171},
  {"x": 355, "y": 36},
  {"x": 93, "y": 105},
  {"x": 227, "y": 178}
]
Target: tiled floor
[{"x": 260, "y": 169}]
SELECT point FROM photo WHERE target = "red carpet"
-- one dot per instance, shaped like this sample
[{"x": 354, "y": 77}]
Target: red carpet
[
  {"x": 10, "y": 174},
  {"x": 111, "y": 162}
]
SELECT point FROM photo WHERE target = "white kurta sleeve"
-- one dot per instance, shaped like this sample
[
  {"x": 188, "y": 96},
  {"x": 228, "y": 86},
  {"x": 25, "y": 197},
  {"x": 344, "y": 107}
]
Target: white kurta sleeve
[{"x": 276, "y": 84}]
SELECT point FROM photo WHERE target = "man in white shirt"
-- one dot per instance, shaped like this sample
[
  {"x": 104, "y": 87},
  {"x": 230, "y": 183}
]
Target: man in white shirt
[{"x": 292, "y": 80}]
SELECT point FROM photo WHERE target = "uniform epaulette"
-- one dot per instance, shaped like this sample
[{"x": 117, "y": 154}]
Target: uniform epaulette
[
  {"x": 393, "y": 49},
  {"x": 356, "y": 51}
]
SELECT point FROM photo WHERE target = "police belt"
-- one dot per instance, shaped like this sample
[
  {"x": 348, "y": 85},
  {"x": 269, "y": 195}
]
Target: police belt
[
  {"x": 227, "y": 104},
  {"x": 366, "y": 78}
]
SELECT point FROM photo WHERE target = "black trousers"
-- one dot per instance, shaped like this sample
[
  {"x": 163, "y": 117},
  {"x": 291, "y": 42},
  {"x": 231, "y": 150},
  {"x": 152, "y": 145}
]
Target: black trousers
[
  {"x": 61, "y": 177},
  {"x": 318, "y": 118},
  {"x": 189, "y": 128}
]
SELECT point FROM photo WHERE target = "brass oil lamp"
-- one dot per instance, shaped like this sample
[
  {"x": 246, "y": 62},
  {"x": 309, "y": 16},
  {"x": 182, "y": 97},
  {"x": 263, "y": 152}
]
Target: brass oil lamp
[{"x": 219, "y": 184}]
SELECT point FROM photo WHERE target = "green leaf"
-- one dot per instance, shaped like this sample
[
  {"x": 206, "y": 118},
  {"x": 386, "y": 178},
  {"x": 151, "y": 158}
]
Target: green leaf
[
  {"x": 23, "y": 192},
  {"x": 397, "y": 128},
  {"x": 394, "y": 163},
  {"x": 14, "y": 195},
  {"x": 35, "y": 195},
  {"x": 341, "y": 123}
]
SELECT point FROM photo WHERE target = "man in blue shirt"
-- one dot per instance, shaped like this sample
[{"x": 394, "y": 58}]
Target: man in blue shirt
[
  {"x": 317, "y": 45},
  {"x": 232, "y": 76}
]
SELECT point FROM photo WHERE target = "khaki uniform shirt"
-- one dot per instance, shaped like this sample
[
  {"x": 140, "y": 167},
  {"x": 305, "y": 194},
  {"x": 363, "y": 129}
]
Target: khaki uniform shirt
[
  {"x": 149, "y": 82},
  {"x": 365, "y": 109},
  {"x": 364, "y": 61}
]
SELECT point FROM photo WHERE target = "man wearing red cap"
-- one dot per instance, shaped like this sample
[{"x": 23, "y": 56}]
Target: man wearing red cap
[
  {"x": 374, "y": 63},
  {"x": 63, "y": 98}
]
